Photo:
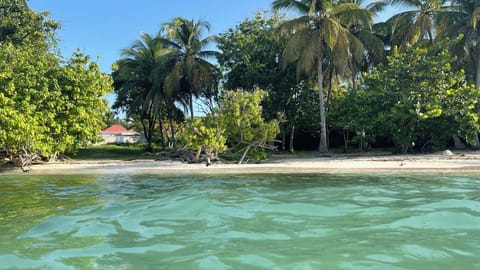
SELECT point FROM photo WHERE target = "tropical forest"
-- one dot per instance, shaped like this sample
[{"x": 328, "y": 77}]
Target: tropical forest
[{"x": 310, "y": 75}]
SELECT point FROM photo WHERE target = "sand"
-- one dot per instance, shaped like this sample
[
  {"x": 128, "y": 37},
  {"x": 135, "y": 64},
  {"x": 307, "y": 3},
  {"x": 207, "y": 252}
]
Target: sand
[{"x": 466, "y": 161}]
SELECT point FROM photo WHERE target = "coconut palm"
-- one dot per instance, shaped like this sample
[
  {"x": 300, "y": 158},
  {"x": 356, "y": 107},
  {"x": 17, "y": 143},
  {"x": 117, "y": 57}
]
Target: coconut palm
[
  {"x": 371, "y": 49},
  {"x": 462, "y": 19},
  {"x": 320, "y": 30},
  {"x": 139, "y": 84},
  {"x": 417, "y": 25},
  {"x": 191, "y": 72}
]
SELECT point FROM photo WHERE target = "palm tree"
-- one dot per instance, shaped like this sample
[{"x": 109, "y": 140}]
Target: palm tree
[
  {"x": 320, "y": 30},
  {"x": 462, "y": 19},
  {"x": 412, "y": 27},
  {"x": 139, "y": 84},
  {"x": 191, "y": 72},
  {"x": 370, "y": 51}
]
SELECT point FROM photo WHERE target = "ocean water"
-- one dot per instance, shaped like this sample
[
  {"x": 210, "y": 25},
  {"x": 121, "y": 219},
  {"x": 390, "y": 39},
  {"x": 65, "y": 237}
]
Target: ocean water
[{"x": 313, "y": 221}]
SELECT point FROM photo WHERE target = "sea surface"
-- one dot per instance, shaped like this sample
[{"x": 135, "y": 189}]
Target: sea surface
[{"x": 303, "y": 221}]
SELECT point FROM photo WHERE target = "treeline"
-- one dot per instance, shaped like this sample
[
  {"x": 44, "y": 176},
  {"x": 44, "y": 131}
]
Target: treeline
[
  {"x": 331, "y": 75},
  {"x": 323, "y": 74}
]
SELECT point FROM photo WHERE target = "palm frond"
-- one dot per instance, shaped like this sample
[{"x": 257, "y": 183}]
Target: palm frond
[
  {"x": 376, "y": 6},
  {"x": 291, "y": 5},
  {"x": 351, "y": 14}
]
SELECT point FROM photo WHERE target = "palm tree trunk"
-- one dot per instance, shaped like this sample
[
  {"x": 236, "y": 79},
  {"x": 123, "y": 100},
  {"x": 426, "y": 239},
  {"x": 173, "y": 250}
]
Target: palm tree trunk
[
  {"x": 162, "y": 135},
  {"x": 172, "y": 130},
  {"x": 191, "y": 105},
  {"x": 322, "y": 148},
  {"x": 354, "y": 77}
]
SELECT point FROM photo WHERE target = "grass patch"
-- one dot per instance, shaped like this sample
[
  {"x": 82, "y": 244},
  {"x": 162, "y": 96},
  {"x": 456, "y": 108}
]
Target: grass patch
[{"x": 112, "y": 151}]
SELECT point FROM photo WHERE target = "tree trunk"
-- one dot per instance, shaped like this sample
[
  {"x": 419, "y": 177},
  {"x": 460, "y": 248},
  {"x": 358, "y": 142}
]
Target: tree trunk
[
  {"x": 292, "y": 135},
  {"x": 330, "y": 85},
  {"x": 172, "y": 130},
  {"x": 354, "y": 79},
  {"x": 345, "y": 141},
  {"x": 245, "y": 153},
  {"x": 322, "y": 148},
  {"x": 162, "y": 136},
  {"x": 191, "y": 105},
  {"x": 148, "y": 136},
  {"x": 197, "y": 155}
]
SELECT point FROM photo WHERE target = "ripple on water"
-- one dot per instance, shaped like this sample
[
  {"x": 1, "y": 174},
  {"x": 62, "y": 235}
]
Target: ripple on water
[
  {"x": 442, "y": 220},
  {"x": 451, "y": 204},
  {"x": 421, "y": 252},
  {"x": 244, "y": 222}
]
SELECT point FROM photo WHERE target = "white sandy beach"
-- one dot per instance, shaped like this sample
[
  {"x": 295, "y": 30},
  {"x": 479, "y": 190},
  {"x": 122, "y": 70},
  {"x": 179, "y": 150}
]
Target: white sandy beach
[{"x": 468, "y": 161}]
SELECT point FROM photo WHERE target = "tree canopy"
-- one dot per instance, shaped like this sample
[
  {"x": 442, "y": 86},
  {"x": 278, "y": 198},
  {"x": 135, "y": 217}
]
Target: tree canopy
[{"x": 48, "y": 104}]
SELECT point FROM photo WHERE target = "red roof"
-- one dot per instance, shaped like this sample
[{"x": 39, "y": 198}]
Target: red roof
[{"x": 116, "y": 129}]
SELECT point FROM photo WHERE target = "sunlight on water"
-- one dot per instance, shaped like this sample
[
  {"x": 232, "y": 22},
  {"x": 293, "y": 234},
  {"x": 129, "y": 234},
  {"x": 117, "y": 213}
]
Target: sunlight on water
[{"x": 240, "y": 222}]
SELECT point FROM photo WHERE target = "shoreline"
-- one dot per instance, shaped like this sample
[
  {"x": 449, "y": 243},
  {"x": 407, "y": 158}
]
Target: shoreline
[{"x": 467, "y": 161}]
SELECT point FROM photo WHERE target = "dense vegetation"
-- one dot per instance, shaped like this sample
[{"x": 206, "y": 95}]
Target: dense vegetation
[
  {"x": 48, "y": 104},
  {"x": 328, "y": 74}
]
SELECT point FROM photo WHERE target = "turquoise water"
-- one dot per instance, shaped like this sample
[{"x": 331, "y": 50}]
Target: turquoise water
[{"x": 240, "y": 222}]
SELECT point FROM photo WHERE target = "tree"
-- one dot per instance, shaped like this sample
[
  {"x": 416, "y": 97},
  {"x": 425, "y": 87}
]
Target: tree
[
  {"x": 139, "y": 83},
  {"x": 208, "y": 134},
  {"x": 20, "y": 25},
  {"x": 462, "y": 19},
  {"x": 81, "y": 106},
  {"x": 369, "y": 51},
  {"x": 245, "y": 129},
  {"x": 352, "y": 112},
  {"x": 48, "y": 105},
  {"x": 418, "y": 25},
  {"x": 316, "y": 33},
  {"x": 191, "y": 73},
  {"x": 417, "y": 94},
  {"x": 250, "y": 58}
]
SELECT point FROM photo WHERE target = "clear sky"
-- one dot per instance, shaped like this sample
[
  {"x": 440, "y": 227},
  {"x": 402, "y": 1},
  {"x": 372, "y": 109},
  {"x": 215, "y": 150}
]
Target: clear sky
[{"x": 102, "y": 28}]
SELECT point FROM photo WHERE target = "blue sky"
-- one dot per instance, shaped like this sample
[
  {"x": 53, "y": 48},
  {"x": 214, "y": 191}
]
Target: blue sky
[{"x": 102, "y": 28}]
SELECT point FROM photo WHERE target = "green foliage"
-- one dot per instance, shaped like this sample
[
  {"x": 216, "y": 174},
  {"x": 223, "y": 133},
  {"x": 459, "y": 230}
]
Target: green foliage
[
  {"x": 251, "y": 54},
  {"x": 352, "y": 112},
  {"x": 19, "y": 25},
  {"x": 206, "y": 133},
  {"x": 190, "y": 74},
  {"x": 418, "y": 98},
  {"x": 244, "y": 125},
  {"x": 47, "y": 105},
  {"x": 237, "y": 123},
  {"x": 138, "y": 81}
]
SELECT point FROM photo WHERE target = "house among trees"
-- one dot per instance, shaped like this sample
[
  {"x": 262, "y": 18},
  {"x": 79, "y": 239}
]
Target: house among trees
[{"x": 119, "y": 134}]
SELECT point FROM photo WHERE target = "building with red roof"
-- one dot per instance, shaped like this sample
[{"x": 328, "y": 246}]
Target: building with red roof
[{"x": 119, "y": 134}]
